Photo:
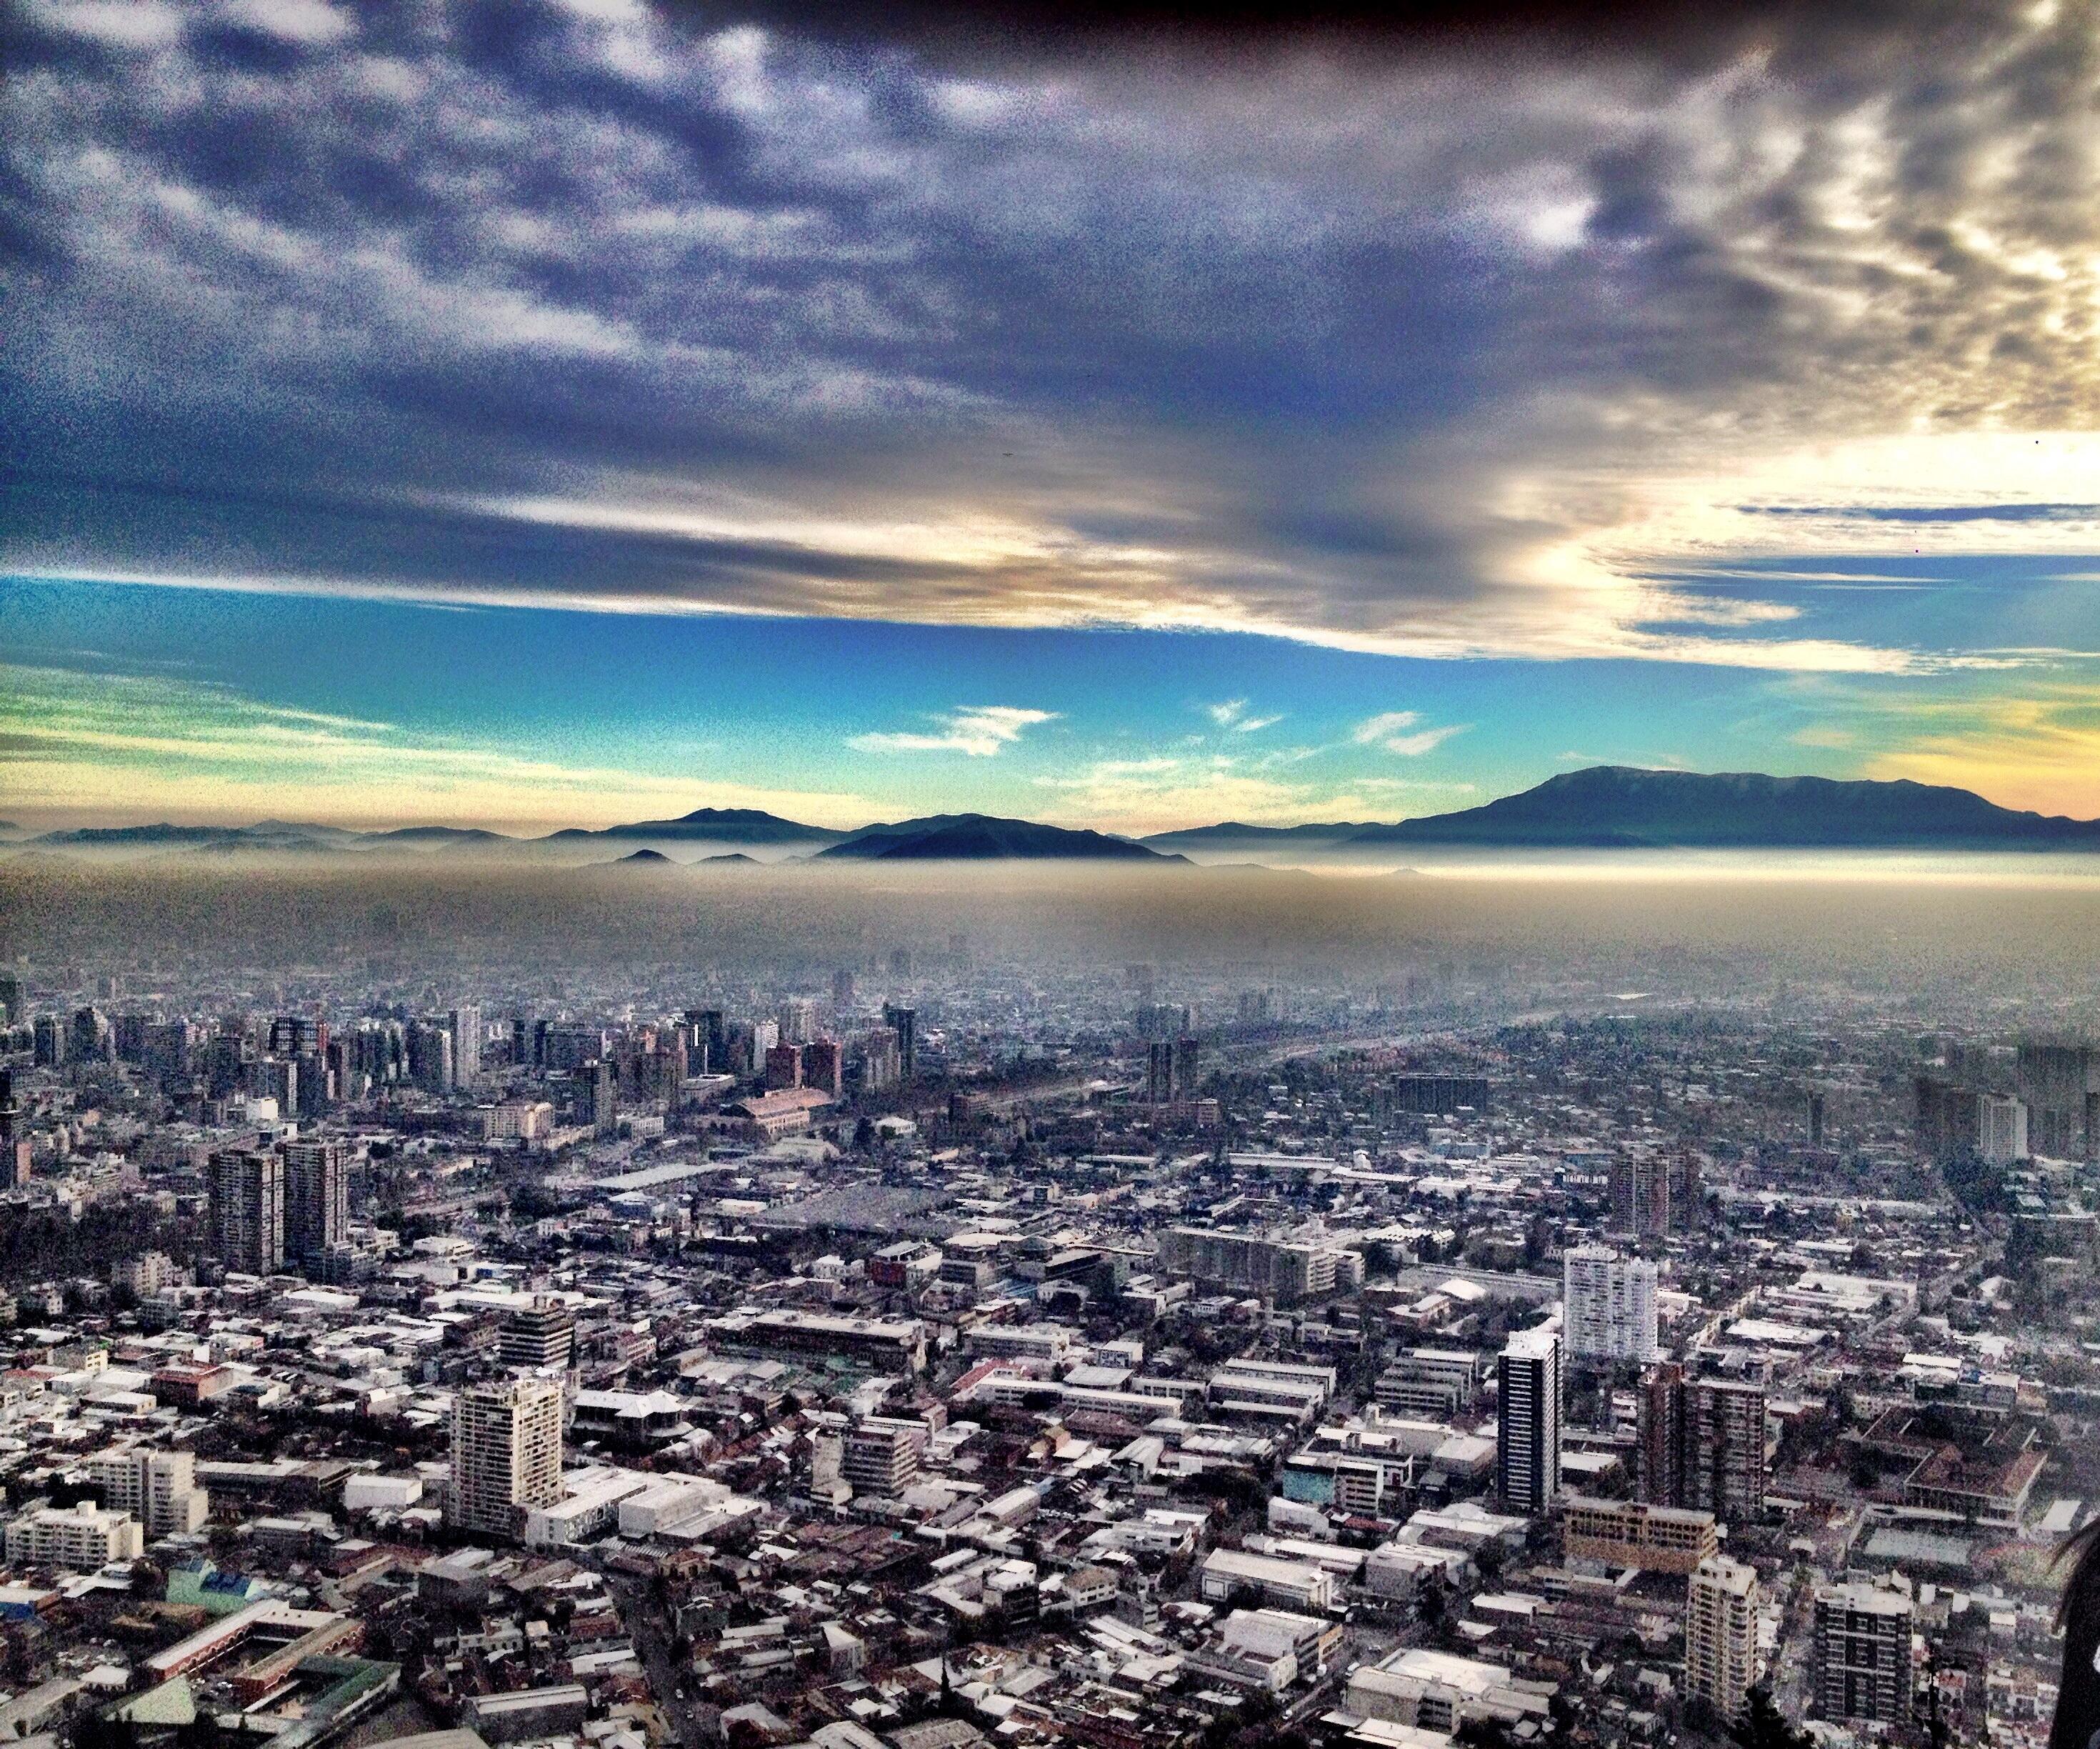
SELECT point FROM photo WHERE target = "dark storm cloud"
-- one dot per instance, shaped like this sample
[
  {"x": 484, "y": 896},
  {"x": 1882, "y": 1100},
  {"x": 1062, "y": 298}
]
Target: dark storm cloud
[{"x": 1345, "y": 326}]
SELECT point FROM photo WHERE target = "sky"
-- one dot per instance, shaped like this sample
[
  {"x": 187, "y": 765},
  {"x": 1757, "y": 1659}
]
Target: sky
[{"x": 538, "y": 414}]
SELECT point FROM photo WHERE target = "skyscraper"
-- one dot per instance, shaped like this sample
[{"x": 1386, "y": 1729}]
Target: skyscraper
[
  {"x": 904, "y": 1022},
  {"x": 783, "y": 1067},
  {"x": 247, "y": 1187},
  {"x": 295, "y": 1036},
  {"x": 466, "y": 1027},
  {"x": 1188, "y": 1071},
  {"x": 92, "y": 1039},
  {"x": 2001, "y": 1126},
  {"x": 506, "y": 1453},
  {"x": 1527, "y": 1421},
  {"x": 824, "y": 1067},
  {"x": 13, "y": 1145},
  {"x": 1721, "y": 1633},
  {"x": 1609, "y": 1304},
  {"x": 316, "y": 1197},
  {"x": 432, "y": 1065},
  {"x": 49, "y": 1039},
  {"x": 711, "y": 1029}
]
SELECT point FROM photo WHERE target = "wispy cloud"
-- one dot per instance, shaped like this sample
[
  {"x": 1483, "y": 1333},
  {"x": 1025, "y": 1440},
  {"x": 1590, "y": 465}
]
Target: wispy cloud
[
  {"x": 980, "y": 730},
  {"x": 1159, "y": 793},
  {"x": 1232, "y": 714},
  {"x": 1403, "y": 732}
]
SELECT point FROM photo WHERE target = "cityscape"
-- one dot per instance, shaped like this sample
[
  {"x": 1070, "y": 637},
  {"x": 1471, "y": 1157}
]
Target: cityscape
[
  {"x": 970, "y": 1335},
  {"x": 1026, "y": 876}
]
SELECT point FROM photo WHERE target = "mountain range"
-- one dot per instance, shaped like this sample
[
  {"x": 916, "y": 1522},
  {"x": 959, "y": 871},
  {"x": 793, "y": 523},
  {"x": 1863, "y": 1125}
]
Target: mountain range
[
  {"x": 1628, "y": 807},
  {"x": 1609, "y": 807}
]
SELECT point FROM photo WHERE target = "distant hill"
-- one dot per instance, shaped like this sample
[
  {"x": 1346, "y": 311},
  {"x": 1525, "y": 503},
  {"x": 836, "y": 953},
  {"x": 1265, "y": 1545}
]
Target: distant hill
[
  {"x": 1236, "y": 835},
  {"x": 983, "y": 837},
  {"x": 647, "y": 858},
  {"x": 283, "y": 838},
  {"x": 274, "y": 835},
  {"x": 438, "y": 835},
  {"x": 1624, "y": 807},
  {"x": 709, "y": 826}
]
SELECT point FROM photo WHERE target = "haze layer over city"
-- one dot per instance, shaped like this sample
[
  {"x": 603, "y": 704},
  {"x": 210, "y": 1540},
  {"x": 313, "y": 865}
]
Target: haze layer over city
[{"x": 946, "y": 877}]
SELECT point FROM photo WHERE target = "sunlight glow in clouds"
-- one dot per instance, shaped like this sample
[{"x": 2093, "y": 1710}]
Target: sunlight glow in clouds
[{"x": 1468, "y": 352}]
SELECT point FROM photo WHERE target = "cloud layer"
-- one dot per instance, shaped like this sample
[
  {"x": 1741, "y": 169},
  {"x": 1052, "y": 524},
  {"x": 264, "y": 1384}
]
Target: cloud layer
[{"x": 1441, "y": 351}]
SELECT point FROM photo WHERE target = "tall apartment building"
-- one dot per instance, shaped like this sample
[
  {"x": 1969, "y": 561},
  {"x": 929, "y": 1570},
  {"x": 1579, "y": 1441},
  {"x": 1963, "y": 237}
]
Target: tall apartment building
[
  {"x": 506, "y": 1453},
  {"x": 1701, "y": 1444},
  {"x": 1724, "y": 1449},
  {"x": 1721, "y": 1634},
  {"x": 157, "y": 1488},
  {"x": 2060, "y": 1082},
  {"x": 1527, "y": 1421},
  {"x": 316, "y": 1197},
  {"x": 1947, "y": 1116},
  {"x": 881, "y": 1454},
  {"x": 1659, "y": 1444},
  {"x": 1641, "y": 1200},
  {"x": 1863, "y": 1662},
  {"x": 879, "y": 1063},
  {"x": 537, "y": 1337},
  {"x": 1173, "y": 1069},
  {"x": 247, "y": 1189},
  {"x": 80, "y": 1538},
  {"x": 1609, "y": 1303}
]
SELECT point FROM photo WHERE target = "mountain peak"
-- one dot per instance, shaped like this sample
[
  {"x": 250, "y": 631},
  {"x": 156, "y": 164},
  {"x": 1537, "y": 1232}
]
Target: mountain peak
[{"x": 983, "y": 838}]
